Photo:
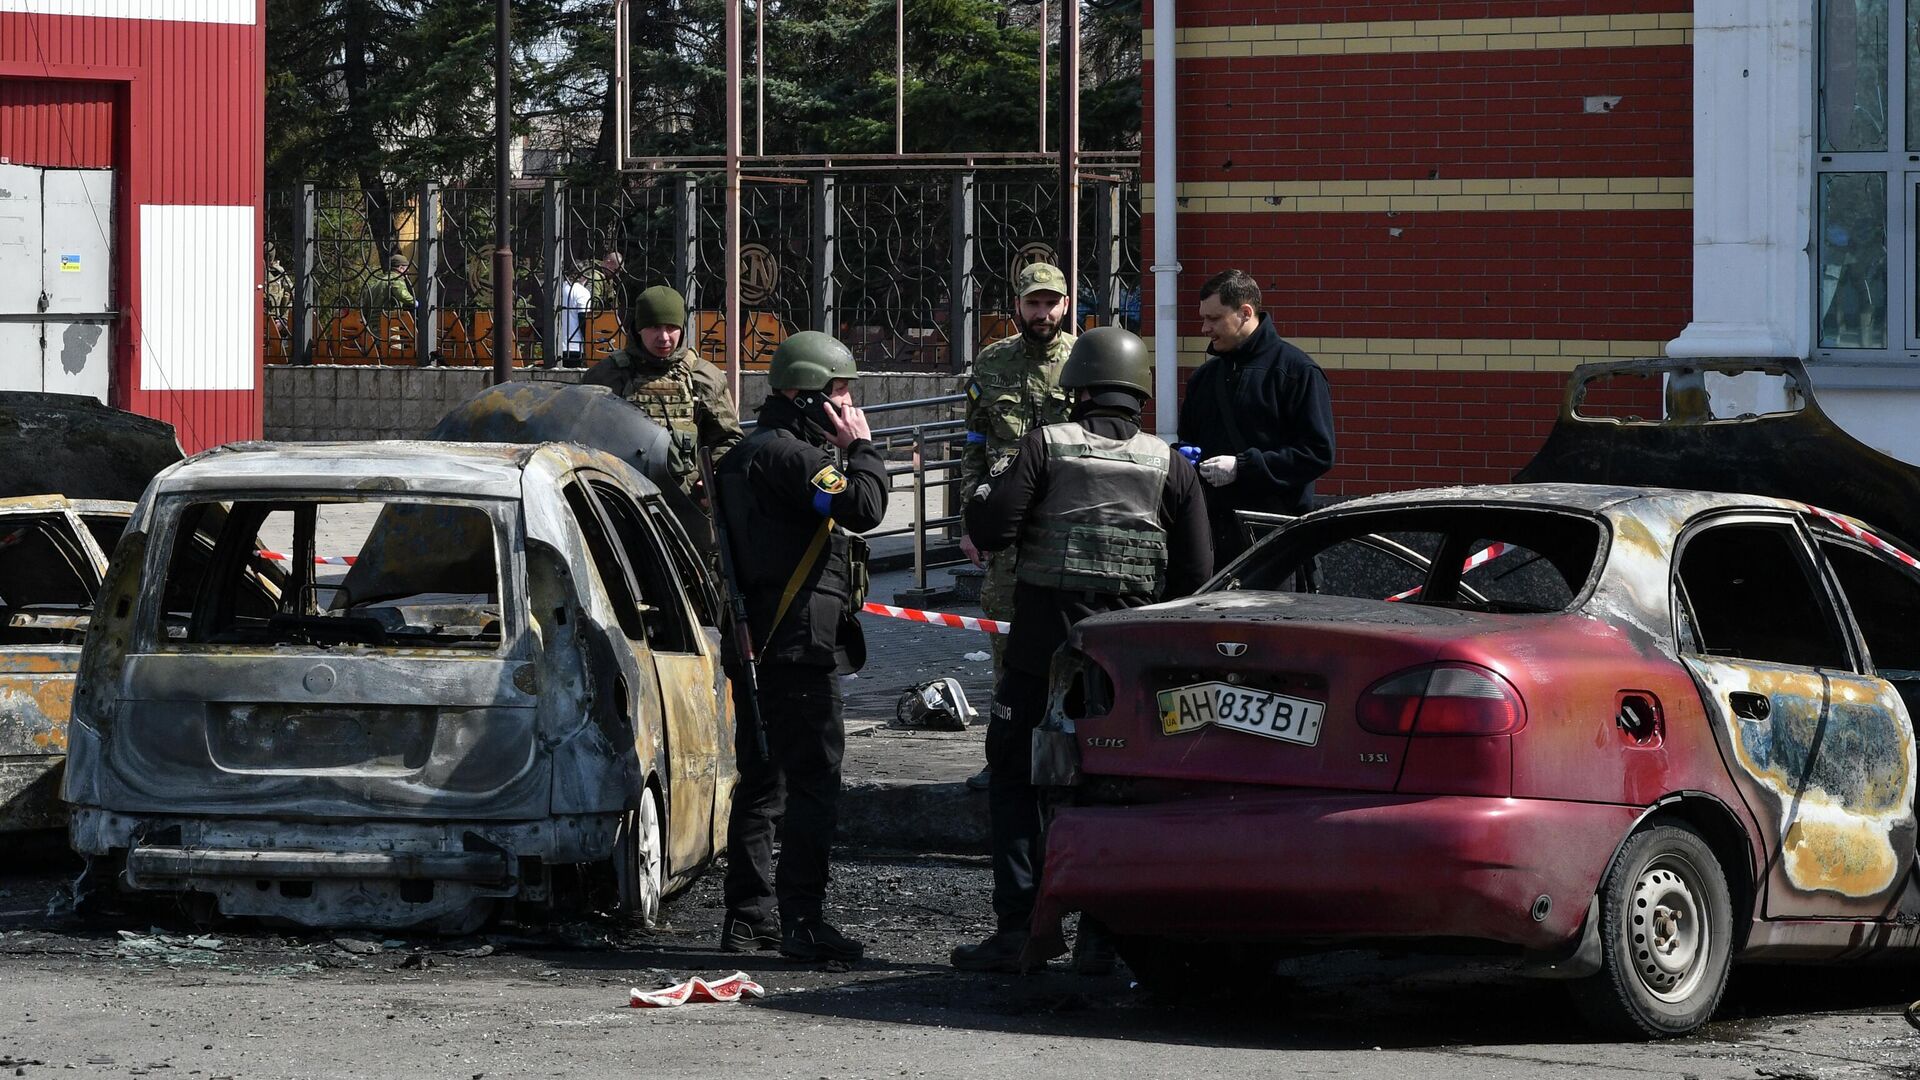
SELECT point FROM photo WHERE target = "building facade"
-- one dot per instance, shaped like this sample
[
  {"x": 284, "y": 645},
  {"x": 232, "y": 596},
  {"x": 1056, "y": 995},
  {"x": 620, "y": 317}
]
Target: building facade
[
  {"x": 131, "y": 168},
  {"x": 1451, "y": 204}
]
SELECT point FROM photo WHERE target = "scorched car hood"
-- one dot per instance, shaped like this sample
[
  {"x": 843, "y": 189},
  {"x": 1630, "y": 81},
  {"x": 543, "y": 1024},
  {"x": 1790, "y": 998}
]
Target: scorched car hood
[
  {"x": 1801, "y": 455},
  {"x": 66, "y": 444}
]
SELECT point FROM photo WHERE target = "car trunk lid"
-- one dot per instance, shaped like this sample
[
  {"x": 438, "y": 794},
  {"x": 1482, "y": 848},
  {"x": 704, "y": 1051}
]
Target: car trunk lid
[{"x": 1295, "y": 664}]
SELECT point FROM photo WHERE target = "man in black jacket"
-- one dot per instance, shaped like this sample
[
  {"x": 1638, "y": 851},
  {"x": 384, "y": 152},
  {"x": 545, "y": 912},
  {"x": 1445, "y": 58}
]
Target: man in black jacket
[
  {"x": 1105, "y": 517},
  {"x": 1257, "y": 411},
  {"x": 790, "y": 504}
]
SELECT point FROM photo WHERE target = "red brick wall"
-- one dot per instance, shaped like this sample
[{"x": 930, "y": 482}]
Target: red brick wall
[{"x": 1570, "y": 275}]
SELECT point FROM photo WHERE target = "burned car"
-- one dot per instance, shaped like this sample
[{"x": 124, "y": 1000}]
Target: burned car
[
  {"x": 401, "y": 684},
  {"x": 1629, "y": 734},
  {"x": 74, "y": 469}
]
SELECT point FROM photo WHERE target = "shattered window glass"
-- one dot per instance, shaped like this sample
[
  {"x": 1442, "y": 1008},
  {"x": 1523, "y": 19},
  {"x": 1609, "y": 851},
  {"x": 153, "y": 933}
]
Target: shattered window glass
[
  {"x": 46, "y": 582},
  {"x": 308, "y": 572},
  {"x": 1515, "y": 560}
]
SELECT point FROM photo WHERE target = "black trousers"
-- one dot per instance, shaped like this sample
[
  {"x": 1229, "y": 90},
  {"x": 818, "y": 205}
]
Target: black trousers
[
  {"x": 1017, "y": 831},
  {"x": 797, "y": 792}
]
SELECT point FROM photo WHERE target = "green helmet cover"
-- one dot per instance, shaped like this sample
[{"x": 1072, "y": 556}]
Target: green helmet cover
[
  {"x": 810, "y": 360},
  {"x": 1108, "y": 356}
]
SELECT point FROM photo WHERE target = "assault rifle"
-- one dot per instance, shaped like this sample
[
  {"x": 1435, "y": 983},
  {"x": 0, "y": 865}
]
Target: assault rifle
[{"x": 749, "y": 675}]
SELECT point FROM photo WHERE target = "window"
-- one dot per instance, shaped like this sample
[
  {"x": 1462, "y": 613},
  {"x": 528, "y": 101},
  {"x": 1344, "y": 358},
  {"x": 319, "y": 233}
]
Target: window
[
  {"x": 693, "y": 573},
  {"x": 1745, "y": 592},
  {"x": 664, "y": 610},
  {"x": 106, "y": 530},
  {"x": 1479, "y": 558},
  {"x": 328, "y": 574},
  {"x": 608, "y": 565},
  {"x": 1867, "y": 179},
  {"x": 1885, "y": 600},
  {"x": 46, "y": 582}
]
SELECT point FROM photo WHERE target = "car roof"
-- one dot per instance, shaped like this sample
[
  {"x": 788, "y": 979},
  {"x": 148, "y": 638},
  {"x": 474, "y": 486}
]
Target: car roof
[
  {"x": 1602, "y": 499},
  {"x": 44, "y": 503},
  {"x": 480, "y": 469}
]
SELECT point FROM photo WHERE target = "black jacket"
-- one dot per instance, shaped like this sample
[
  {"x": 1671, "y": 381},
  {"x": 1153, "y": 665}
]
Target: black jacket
[
  {"x": 1278, "y": 398},
  {"x": 1042, "y": 616},
  {"x": 776, "y": 489}
]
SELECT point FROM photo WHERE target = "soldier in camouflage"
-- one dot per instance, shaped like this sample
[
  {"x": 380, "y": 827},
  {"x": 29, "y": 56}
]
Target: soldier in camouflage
[
  {"x": 660, "y": 372},
  {"x": 1014, "y": 388}
]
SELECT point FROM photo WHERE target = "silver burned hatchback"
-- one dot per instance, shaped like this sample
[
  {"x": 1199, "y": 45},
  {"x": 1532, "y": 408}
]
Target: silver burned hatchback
[{"x": 400, "y": 684}]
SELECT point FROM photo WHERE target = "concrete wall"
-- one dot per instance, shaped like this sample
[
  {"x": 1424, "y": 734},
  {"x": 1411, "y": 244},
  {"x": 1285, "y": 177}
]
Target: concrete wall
[{"x": 324, "y": 402}]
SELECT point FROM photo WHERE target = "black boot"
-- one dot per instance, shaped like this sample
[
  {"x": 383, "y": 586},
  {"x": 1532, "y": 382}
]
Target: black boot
[
  {"x": 1000, "y": 952},
  {"x": 815, "y": 939},
  {"x": 738, "y": 935}
]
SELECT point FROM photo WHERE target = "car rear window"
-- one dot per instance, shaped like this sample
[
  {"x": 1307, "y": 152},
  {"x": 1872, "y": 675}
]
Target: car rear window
[
  {"x": 1518, "y": 560},
  {"x": 379, "y": 573}
]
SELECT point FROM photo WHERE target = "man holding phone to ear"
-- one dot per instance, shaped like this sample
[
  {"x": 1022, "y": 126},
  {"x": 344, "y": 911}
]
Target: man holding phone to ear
[{"x": 791, "y": 504}]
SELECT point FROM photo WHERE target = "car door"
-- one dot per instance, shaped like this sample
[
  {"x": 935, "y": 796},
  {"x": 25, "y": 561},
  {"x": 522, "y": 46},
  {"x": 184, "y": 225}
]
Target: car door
[
  {"x": 702, "y": 588},
  {"x": 1881, "y": 588},
  {"x": 686, "y": 668},
  {"x": 1762, "y": 635},
  {"x": 48, "y": 577}
]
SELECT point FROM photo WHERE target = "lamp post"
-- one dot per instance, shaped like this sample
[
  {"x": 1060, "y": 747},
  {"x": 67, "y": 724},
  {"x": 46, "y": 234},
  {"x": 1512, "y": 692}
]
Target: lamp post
[{"x": 503, "y": 148}]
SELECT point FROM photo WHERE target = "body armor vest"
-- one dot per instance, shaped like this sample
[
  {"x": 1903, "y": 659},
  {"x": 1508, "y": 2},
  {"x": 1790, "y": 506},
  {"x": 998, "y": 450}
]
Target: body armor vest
[
  {"x": 666, "y": 397},
  {"x": 1097, "y": 527}
]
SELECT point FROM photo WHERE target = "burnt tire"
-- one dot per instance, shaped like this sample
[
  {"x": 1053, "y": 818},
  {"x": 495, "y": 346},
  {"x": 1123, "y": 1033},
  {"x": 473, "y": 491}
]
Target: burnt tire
[
  {"x": 1666, "y": 937},
  {"x": 639, "y": 861}
]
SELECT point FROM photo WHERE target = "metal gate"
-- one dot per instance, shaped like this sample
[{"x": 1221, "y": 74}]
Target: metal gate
[{"x": 56, "y": 279}]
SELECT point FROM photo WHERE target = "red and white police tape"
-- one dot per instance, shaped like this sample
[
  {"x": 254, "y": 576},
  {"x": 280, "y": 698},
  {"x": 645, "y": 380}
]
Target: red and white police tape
[
  {"x": 939, "y": 618},
  {"x": 319, "y": 560},
  {"x": 732, "y": 988},
  {"x": 1862, "y": 535},
  {"x": 1479, "y": 558}
]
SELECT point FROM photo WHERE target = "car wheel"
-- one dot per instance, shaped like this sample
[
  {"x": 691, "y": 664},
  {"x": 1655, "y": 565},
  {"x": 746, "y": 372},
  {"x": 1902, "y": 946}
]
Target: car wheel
[
  {"x": 639, "y": 863},
  {"x": 1666, "y": 937}
]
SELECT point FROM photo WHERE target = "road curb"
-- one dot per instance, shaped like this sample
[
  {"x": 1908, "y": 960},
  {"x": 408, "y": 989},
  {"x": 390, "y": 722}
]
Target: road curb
[{"x": 883, "y": 817}]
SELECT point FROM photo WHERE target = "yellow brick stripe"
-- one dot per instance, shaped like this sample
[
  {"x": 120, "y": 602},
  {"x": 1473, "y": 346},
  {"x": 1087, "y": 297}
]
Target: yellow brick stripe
[
  {"x": 1401, "y": 196},
  {"x": 1448, "y": 354},
  {"x": 1432, "y": 35}
]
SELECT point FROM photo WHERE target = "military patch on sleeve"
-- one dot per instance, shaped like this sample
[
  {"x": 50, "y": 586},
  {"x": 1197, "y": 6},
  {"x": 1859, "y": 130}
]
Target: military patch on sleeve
[
  {"x": 973, "y": 389},
  {"x": 1000, "y": 463},
  {"x": 830, "y": 480}
]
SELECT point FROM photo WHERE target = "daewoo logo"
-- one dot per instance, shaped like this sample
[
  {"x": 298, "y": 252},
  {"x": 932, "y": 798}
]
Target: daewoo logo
[{"x": 1231, "y": 648}]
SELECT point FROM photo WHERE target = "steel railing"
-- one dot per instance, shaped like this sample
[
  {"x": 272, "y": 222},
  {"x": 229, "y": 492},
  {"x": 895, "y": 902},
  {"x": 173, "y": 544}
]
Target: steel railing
[{"x": 936, "y": 434}]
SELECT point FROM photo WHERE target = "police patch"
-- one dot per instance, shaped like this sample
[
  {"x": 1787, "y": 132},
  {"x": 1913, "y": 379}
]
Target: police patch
[
  {"x": 830, "y": 480},
  {"x": 1000, "y": 464}
]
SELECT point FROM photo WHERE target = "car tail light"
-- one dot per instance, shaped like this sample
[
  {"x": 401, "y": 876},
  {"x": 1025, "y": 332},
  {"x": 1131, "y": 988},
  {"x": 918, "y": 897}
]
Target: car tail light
[{"x": 1444, "y": 699}]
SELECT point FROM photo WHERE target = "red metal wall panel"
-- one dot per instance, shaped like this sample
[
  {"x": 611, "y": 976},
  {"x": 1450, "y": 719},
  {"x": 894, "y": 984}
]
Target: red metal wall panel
[
  {"x": 187, "y": 130},
  {"x": 57, "y": 123}
]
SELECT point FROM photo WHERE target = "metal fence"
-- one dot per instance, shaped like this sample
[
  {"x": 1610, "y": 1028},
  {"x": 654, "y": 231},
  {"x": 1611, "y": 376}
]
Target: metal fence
[{"x": 913, "y": 273}]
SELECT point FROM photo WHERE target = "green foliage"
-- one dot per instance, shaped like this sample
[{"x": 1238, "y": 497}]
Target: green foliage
[{"x": 376, "y": 92}]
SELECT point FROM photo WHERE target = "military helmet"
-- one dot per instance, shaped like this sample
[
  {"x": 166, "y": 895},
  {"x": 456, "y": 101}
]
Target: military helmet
[
  {"x": 810, "y": 360},
  {"x": 1108, "y": 357}
]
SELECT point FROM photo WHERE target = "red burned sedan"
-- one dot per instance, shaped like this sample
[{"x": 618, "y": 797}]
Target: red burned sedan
[{"x": 1629, "y": 734}]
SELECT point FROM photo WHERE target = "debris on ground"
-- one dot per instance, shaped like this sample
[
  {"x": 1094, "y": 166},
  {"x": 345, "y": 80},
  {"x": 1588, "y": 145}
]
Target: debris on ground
[
  {"x": 173, "y": 948},
  {"x": 357, "y": 946},
  {"x": 696, "y": 989},
  {"x": 980, "y": 655}
]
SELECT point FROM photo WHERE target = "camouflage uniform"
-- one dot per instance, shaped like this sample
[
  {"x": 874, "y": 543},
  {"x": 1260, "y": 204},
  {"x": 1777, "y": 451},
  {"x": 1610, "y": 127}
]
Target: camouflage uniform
[
  {"x": 680, "y": 392},
  {"x": 1014, "y": 388}
]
